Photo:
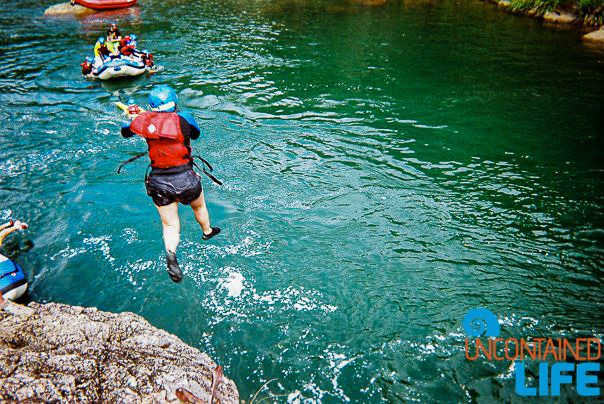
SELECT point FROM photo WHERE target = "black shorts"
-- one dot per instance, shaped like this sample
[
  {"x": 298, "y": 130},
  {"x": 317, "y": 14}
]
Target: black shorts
[{"x": 183, "y": 187}]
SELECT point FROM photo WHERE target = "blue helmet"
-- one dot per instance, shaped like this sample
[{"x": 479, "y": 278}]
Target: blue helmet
[
  {"x": 163, "y": 99},
  {"x": 133, "y": 37},
  {"x": 88, "y": 59},
  {"x": 101, "y": 40}
]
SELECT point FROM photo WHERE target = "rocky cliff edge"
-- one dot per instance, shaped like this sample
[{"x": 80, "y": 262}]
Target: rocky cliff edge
[{"x": 55, "y": 352}]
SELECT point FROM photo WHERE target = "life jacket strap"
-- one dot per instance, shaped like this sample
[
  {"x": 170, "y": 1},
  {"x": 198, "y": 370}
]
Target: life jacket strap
[
  {"x": 204, "y": 164},
  {"x": 203, "y": 169},
  {"x": 130, "y": 160}
]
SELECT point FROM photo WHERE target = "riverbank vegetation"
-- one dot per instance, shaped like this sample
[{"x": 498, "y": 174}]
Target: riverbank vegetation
[{"x": 588, "y": 12}]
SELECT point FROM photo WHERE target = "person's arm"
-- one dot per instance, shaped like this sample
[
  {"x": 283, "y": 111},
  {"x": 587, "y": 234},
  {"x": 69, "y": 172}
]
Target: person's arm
[
  {"x": 10, "y": 227},
  {"x": 126, "y": 131},
  {"x": 194, "y": 130}
]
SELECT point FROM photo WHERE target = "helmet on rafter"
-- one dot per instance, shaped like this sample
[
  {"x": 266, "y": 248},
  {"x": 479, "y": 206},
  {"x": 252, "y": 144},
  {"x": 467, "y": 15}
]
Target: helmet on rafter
[{"x": 163, "y": 98}]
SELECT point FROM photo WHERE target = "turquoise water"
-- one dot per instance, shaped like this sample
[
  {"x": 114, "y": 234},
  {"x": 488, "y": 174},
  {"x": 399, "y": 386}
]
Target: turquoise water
[{"x": 386, "y": 170}]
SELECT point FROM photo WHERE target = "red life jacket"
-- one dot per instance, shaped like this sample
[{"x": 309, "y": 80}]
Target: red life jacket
[
  {"x": 127, "y": 50},
  {"x": 164, "y": 137},
  {"x": 86, "y": 68},
  {"x": 148, "y": 59},
  {"x": 125, "y": 41}
]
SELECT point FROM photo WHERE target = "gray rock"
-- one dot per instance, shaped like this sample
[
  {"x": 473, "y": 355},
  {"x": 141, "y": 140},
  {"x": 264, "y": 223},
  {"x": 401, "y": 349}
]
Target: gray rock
[
  {"x": 559, "y": 17},
  {"x": 68, "y": 9},
  {"x": 595, "y": 36},
  {"x": 55, "y": 352}
]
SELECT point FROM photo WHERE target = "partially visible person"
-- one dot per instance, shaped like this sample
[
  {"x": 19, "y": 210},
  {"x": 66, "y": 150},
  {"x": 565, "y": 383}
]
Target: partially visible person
[
  {"x": 133, "y": 42},
  {"x": 102, "y": 50},
  {"x": 87, "y": 66},
  {"x": 9, "y": 227},
  {"x": 12, "y": 279},
  {"x": 113, "y": 34},
  {"x": 126, "y": 48},
  {"x": 147, "y": 58},
  {"x": 172, "y": 180}
]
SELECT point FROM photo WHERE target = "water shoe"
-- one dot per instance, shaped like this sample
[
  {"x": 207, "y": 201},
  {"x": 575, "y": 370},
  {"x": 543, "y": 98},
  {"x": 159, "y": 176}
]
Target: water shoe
[
  {"x": 173, "y": 269},
  {"x": 215, "y": 231}
]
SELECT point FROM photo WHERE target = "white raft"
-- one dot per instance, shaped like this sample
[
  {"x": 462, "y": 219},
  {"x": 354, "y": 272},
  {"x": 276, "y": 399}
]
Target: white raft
[
  {"x": 124, "y": 66},
  {"x": 119, "y": 67}
]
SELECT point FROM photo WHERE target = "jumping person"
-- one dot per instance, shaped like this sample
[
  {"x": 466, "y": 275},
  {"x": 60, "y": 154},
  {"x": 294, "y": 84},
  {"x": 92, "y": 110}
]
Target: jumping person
[{"x": 172, "y": 179}]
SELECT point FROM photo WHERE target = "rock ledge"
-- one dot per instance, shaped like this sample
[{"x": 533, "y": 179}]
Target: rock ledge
[
  {"x": 595, "y": 36},
  {"x": 68, "y": 9},
  {"x": 55, "y": 352}
]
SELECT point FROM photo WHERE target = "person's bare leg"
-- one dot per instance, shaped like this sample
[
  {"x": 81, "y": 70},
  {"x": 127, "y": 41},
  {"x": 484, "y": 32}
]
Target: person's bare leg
[
  {"x": 201, "y": 213},
  {"x": 203, "y": 217},
  {"x": 171, "y": 234},
  {"x": 170, "y": 225}
]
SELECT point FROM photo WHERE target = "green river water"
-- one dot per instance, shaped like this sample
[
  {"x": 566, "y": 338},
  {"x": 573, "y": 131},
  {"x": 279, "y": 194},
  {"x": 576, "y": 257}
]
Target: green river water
[{"x": 385, "y": 171}]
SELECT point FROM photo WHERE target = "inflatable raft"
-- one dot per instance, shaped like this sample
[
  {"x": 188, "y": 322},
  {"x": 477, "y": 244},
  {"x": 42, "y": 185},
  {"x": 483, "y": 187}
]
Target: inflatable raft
[
  {"x": 105, "y": 4},
  {"x": 122, "y": 67},
  {"x": 13, "y": 283}
]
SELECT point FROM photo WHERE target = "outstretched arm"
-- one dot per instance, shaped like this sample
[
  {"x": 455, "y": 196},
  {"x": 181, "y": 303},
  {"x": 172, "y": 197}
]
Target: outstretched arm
[
  {"x": 10, "y": 227},
  {"x": 194, "y": 128},
  {"x": 126, "y": 131}
]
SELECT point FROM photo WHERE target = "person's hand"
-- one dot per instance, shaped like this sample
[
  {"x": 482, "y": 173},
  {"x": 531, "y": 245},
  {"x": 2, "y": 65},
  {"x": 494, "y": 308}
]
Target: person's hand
[{"x": 20, "y": 225}]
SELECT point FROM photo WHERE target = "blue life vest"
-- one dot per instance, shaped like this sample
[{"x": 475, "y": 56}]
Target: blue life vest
[{"x": 12, "y": 279}]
